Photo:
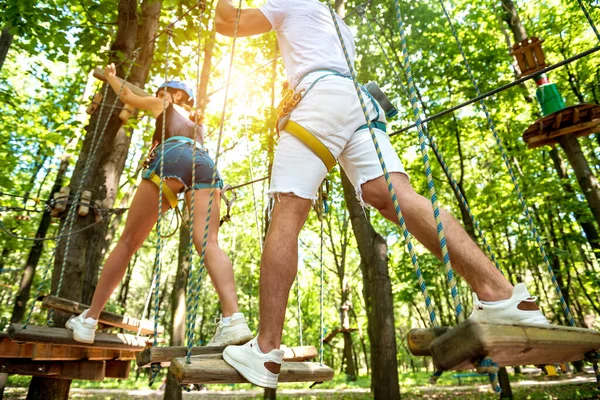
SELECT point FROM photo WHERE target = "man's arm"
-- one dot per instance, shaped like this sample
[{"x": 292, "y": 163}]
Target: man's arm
[{"x": 252, "y": 20}]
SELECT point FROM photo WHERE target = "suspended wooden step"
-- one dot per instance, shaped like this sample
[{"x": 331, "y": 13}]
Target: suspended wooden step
[
  {"x": 529, "y": 55},
  {"x": 164, "y": 355},
  {"x": 507, "y": 344},
  {"x": 579, "y": 120},
  {"x": 106, "y": 317},
  {"x": 210, "y": 370},
  {"x": 85, "y": 370},
  {"x": 63, "y": 336}
]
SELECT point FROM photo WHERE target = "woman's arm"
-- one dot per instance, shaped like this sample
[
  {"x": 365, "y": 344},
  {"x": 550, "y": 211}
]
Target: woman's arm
[
  {"x": 252, "y": 20},
  {"x": 153, "y": 104}
]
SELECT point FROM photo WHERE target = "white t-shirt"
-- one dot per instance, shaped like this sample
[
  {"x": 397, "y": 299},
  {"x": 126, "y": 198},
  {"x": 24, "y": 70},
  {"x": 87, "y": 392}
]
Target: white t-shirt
[{"x": 307, "y": 37}]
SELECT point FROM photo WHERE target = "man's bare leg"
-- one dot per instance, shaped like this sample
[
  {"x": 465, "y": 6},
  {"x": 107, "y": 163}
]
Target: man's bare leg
[
  {"x": 467, "y": 259},
  {"x": 278, "y": 266}
]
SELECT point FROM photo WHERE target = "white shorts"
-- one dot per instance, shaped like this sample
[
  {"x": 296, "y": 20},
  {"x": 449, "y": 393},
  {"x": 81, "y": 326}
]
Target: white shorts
[{"x": 331, "y": 111}]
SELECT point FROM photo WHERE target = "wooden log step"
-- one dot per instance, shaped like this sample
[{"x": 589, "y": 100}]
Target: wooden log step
[
  {"x": 106, "y": 317},
  {"x": 206, "y": 370},
  {"x": 164, "y": 355},
  {"x": 506, "y": 344},
  {"x": 63, "y": 336}
]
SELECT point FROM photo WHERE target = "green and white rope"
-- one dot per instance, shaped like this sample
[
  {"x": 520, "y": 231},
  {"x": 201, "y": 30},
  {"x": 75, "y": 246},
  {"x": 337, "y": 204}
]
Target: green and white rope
[
  {"x": 69, "y": 222},
  {"x": 192, "y": 320},
  {"x": 406, "y": 234}
]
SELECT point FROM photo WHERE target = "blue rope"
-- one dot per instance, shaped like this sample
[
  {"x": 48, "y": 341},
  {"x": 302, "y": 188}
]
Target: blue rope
[
  {"x": 69, "y": 222},
  {"x": 478, "y": 231},
  {"x": 155, "y": 368},
  {"x": 192, "y": 319},
  {"x": 434, "y": 199},
  {"x": 590, "y": 20},
  {"x": 406, "y": 234},
  {"x": 522, "y": 201}
]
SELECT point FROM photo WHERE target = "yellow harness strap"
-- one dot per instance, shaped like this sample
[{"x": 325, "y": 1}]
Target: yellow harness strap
[
  {"x": 312, "y": 142},
  {"x": 167, "y": 192}
]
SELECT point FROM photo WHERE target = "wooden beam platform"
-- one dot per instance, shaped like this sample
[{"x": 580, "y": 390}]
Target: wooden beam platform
[
  {"x": 106, "y": 317},
  {"x": 63, "y": 336},
  {"x": 10, "y": 349},
  {"x": 207, "y": 370},
  {"x": 507, "y": 344},
  {"x": 86, "y": 370},
  {"x": 579, "y": 120},
  {"x": 99, "y": 74},
  {"x": 164, "y": 355}
]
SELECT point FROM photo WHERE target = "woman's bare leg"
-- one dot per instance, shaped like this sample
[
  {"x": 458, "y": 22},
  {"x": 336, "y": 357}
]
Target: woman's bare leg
[
  {"x": 217, "y": 262},
  {"x": 141, "y": 218}
]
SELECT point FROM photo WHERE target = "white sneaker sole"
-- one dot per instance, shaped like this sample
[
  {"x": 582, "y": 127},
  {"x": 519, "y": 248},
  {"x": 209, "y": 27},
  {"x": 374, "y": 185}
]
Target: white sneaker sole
[
  {"x": 78, "y": 337},
  {"x": 250, "y": 374},
  {"x": 241, "y": 338}
]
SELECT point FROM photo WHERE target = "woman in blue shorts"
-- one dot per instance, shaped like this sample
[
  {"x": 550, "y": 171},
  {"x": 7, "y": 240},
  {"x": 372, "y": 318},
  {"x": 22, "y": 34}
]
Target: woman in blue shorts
[{"x": 181, "y": 136}]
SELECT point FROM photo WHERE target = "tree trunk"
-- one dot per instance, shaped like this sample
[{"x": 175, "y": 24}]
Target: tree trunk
[
  {"x": 48, "y": 389},
  {"x": 83, "y": 260},
  {"x": 5, "y": 41},
  {"x": 587, "y": 180},
  {"x": 588, "y": 227},
  {"x": 378, "y": 298}
]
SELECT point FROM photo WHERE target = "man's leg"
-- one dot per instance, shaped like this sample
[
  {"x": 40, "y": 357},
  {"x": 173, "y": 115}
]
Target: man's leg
[
  {"x": 467, "y": 259},
  {"x": 279, "y": 265}
]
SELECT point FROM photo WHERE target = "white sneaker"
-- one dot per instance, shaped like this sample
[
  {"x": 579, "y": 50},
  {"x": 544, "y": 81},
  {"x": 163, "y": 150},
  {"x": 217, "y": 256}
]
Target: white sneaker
[
  {"x": 84, "y": 329},
  {"x": 258, "y": 368},
  {"x": 234, "y": 331},
  {"x": 520, "y": 308}
]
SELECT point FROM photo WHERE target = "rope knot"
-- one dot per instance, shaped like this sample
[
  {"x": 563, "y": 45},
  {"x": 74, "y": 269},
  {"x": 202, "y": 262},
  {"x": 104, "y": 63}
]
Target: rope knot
[{"x": 487, "y": 366}]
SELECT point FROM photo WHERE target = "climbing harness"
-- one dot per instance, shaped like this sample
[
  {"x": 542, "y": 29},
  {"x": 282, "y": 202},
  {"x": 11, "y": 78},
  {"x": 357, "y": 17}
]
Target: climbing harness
[{"x": 291, "y": 99}]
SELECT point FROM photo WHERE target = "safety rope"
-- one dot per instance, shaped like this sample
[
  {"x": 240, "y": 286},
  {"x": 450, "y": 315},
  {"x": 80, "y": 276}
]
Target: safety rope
[
  {"x": 192, "y": 319},
  {"x": 478, "y": 231},
  {"x": 589, "y": 19},
  {"x": 321, "y": 298},
  {"x": 70, "y": 220},
  {"x": 432, "y": 192},
  {"x": 299, "y": 311},
  {"x": 155, "y": 367},
  {"x": 522, "y": 201},
  {"x": 406, "y": 234}
]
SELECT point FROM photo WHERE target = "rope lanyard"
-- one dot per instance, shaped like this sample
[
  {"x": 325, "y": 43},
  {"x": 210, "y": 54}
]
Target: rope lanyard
[
  {"x": 70, "y": 220},
  {"x": 478, "y": 231},
  {"x": 406, "y": 234},
  {"x": 321, "y": 299},
  {"x": 194, "y": 311}
]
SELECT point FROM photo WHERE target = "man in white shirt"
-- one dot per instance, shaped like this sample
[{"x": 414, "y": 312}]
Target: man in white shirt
[{"x": 330, "y": 111}]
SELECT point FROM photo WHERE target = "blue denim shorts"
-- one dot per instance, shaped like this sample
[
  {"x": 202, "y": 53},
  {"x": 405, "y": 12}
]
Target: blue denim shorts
[{"x": 178, "y": 152}]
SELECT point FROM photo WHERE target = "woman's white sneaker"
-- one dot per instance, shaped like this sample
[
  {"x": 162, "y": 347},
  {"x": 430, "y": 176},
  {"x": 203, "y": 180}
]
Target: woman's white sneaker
[
  {"x": 257, "y": 367},
  {"x": 84, "y": 329},
  {"x": 234, "y": 331},
  {"x": 520, "y": 308}
]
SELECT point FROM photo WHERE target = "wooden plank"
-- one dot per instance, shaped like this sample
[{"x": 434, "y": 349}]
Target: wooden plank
[
  {"x": 30, "y": 368},
  {"x": 10, "y": 349},
  {"x": 117, "y": 369},
  {"x": 511, "y": 345},
  {"x": 106, "y": 317},
  {"x": 203, "y": 370},
  {"x": 164, "y": 355},
  {"x": 62, "y": 336},
  {"x": 85, "y": 370},
  {"x": 99, "y": 74},
  {"x": 52, "y": 352}
]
